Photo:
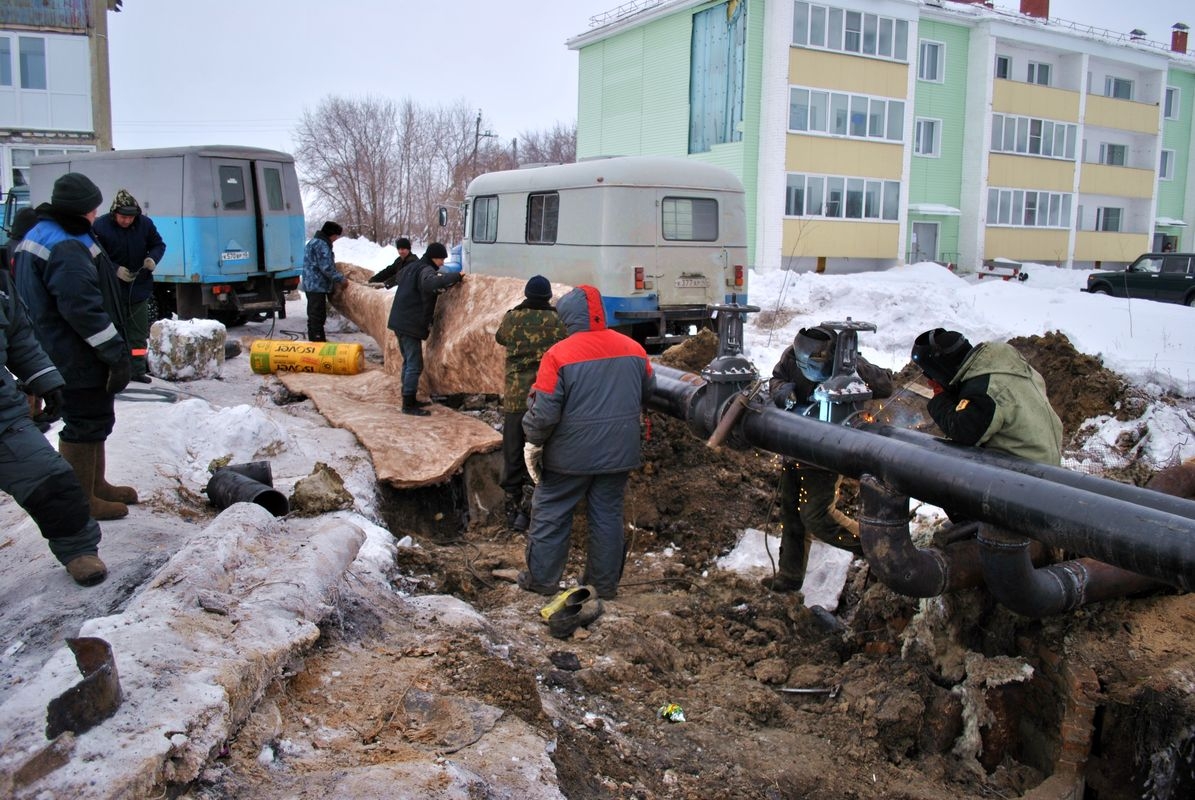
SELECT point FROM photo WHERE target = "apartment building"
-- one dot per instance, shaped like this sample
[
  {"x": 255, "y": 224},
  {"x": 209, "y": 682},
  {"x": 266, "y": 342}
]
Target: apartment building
[
  {"x": 874, "y": 132},
  {"x": 54, "y": 87}
]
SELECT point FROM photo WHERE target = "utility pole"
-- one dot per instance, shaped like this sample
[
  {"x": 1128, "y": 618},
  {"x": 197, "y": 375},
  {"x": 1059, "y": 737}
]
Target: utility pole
[{"x": 478, "y": 135}]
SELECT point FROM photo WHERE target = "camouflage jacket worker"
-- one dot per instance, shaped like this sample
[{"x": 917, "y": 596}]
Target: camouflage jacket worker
[{"x": 527, "y": 331}]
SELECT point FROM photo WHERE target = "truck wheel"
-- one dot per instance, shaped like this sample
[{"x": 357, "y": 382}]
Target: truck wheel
[
  {"x": 1191, "y": 301},
  {"x": 1100, "y": 290}
]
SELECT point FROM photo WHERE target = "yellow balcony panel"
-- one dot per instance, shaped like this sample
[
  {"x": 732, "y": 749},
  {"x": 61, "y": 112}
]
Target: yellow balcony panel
[
  {"x": 1031, "y": 100},
  {"x": 1108, "y": 246},
  {"x": 812, "y": 237},
  {"x": 847, "y": 73},
  {"x": 1026, "y": 244},
  {"x": 1124, "y": 115},
  {"x": 827, "y": 155},
  {"x": 1030, "y": 172},
  {"x": 1117, "y": 181}
]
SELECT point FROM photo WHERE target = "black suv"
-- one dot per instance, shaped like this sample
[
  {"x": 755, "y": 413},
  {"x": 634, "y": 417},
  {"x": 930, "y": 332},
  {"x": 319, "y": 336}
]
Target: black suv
[{"x": 1167, "y": 277}]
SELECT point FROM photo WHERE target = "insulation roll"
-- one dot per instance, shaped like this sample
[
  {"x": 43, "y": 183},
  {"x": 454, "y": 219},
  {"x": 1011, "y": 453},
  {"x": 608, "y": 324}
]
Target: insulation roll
[{"x": 328, "y": 358}]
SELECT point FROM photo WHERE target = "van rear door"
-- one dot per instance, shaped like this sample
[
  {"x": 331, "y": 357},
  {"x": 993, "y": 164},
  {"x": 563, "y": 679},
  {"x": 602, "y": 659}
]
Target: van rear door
[
  {"x": 689, "y": 262},
  {"x": 274, "y": 238},
  {"x": 236, "y": 220}
]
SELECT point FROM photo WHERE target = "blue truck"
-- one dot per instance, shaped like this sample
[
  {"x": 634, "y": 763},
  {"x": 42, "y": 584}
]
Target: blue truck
[{"x": 231, "y": 217}]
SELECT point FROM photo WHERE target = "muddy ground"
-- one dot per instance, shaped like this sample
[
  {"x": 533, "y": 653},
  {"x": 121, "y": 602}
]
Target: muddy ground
[{"x": 979, "y": 704}]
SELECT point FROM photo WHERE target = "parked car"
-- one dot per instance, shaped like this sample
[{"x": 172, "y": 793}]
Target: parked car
[{"x": 1166, "y": 277}]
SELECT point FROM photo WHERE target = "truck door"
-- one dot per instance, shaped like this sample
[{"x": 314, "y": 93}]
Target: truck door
[
  {"x": 236, "y": 220},
  {"x": 274, "y": 239}
]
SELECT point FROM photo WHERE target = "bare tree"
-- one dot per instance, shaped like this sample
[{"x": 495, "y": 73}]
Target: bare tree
[{"x": 557, "y": 145}]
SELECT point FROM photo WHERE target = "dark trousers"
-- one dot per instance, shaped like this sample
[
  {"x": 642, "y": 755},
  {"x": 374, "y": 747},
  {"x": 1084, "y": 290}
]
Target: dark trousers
[
  {"x": 556, "y": 497},
  {"x": 412, "y": 363},
  {"x": 808, "y": 508},
  {"x": 137, "y": 331},
  {"x": 514, "y": 468},
  {"x": 88, "y": 415},
  {"x": 317, "y": 315}
]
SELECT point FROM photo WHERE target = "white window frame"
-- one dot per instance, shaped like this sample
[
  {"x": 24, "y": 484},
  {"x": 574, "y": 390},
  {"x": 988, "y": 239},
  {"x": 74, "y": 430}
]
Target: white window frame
[
  {"x": 1034, "y": 72},
  {"x": 1172, "y": 102},
  {"x": 1166, "y": 165},
  {"x": 1101, "y": 219},
  {"x": 875, "y": 199},
  {"x": 939, "y": 59},
  {"x": 1007, "y": 67},
  {"x": 13, "y": 77},
  {"x": 1112, "y": 82},
  {"x": 891, "y": 114},
  {"x": 935, "y": 139},
  {"x": 889, "y": 36},
  {"x": 1106, "y": 150}
]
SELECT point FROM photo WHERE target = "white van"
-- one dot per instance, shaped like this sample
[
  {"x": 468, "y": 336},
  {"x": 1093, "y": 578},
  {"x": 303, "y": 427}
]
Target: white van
[{"x": 661, "y": 238}]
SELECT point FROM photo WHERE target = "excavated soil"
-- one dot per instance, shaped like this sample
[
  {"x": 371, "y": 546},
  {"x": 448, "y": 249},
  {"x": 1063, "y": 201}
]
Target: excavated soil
[{"x": 978, "y": 704}]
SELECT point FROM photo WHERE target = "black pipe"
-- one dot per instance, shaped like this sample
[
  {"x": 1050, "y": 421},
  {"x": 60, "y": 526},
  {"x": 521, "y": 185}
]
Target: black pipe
[
  {"x": 260, "y": 471},
  {"x": 1040, "y": 592},
  {"x": 227, "y": 486},
  {"x": 895, "y": 560},
  {"x": 1121, "y": 491},
  {"x": 675, "y": 390}
]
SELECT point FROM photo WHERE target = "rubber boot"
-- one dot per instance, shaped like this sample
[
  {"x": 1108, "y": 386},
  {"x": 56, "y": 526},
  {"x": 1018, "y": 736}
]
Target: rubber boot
[
  {"x": 82, "y": 456},
  {"x": 105, "y": 490},
  {"x": 410, "y": 406}
]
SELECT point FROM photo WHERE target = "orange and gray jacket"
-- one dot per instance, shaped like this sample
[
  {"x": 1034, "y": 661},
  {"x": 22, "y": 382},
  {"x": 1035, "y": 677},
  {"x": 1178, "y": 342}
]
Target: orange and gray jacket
[{"x": 585, "y": 404}]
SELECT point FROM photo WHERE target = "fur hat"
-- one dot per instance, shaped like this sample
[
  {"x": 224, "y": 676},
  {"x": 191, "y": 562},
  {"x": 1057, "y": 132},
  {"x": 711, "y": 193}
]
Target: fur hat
[
  {"x": 75, "y": 193},
  {"x": 436, "y": 250},
  {"x": 402, "y": 243},
  {"x": 331, "y": 229},
  {"x": 538, "y": 288},
  {"x": 125, "y": 204}
]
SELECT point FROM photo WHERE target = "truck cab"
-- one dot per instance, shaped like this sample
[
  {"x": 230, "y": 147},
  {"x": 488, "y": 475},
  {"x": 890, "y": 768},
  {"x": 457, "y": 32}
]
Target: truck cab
[{"x": 16, "y": 199}]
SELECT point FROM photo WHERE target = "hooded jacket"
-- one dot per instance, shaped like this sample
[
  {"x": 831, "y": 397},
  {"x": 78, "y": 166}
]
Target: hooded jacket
[
  {"x": 997, "y": 400},
  {"x": 130, "y": 247},
  {"x": 589, "y": 392},
  {"x": 414, "y": 305},
  {"x": 319, "y": 265},
  {"x": 72, "y": 294}
]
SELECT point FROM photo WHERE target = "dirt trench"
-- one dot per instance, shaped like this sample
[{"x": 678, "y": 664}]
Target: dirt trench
[{"x": 951, "y": 697}]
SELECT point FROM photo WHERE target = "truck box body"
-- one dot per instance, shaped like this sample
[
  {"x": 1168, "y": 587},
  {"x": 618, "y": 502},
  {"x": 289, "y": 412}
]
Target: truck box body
[
  {"x": 661, "y": 238},
  {"x": 231, "y": 218}
]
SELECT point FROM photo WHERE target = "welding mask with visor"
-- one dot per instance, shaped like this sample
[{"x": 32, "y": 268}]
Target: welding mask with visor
[
  {"x": 939, "y": 353},
  {"x": 813, "y": 349}
]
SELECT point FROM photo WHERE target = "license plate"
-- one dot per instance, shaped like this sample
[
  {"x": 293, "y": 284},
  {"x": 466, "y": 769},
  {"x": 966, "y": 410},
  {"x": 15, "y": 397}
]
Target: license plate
[
  {"x": 234, "y": 255},
  {"x": 691, "y": 283}
]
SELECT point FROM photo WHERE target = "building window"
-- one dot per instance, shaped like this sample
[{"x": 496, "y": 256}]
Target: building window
[
  {"x": 831, "y": 28},
  {"x": 33, "y": 62},
  {"x": 837, "y": 197},
  {"x": 22, "y": 158},
  {"x": 1108, "y": 219},
  {"x": 927, "y": 137},
  {"x": 1036, "y": 137},
  {"x": 1028, "y": 209},
  {"x": 930, "y": 61},
  {"x": 543, "y": 214},
  {"x": 838, "y": 114},
  {"x": 1172, "y": 103},
  {"x": 1003, "y": 67},
  {"x": 5, "y": 61},
  {"x": 1120, "y": 88},
  {"x": 690, "y": 219},
  {"x": 1113, "y": 154},
  {"x": 1038, "y": 73},
  {"x": 1166, "y": 166},
  {"x": 485, "y": 219}
]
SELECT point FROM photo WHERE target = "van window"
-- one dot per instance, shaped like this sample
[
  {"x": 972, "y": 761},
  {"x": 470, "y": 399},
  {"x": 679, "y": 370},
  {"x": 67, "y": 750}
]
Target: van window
[
  {"x": 543, "y": 214},
  {"x": 232, "y": 188},
  {"x": 273, "y": 189},
  {"x": 485, "y": 219},
  {"x": 690, "y": 219}
]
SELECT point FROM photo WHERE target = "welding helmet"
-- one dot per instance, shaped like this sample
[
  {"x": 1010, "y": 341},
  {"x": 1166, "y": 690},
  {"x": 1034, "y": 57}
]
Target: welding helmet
[
  {"x": 939, "y": 353},
  {"x": 814, "y": 352}
]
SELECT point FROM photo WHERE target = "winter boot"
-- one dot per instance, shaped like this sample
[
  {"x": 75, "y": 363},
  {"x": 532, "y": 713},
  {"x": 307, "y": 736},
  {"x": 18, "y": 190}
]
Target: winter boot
[
  {"x": 87, "y": 570},
  {"x": 411, "y": 406},
  {"x": 105, "y": 490},
  {"x": 82, "y": 456}
]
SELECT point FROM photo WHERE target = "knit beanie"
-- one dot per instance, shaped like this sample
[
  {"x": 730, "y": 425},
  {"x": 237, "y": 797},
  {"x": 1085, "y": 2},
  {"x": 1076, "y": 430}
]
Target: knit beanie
[
  {"x": 402, "y": 243},
  {"x": 125, "y": 204},
  {"x": 538, "y": 288},
  {"x": 74, "y": 193},
  {"x": 331, "y": 229},
  {"x": 436, "y": 250}
]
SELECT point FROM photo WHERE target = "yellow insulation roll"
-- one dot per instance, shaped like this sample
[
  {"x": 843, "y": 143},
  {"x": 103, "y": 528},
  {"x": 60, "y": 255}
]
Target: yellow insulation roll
[{"x": 327, "y": 358}]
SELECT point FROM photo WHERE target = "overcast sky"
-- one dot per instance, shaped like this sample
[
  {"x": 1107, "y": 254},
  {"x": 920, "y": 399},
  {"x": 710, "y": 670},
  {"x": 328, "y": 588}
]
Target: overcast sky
[{"x": 244, "y": 71}]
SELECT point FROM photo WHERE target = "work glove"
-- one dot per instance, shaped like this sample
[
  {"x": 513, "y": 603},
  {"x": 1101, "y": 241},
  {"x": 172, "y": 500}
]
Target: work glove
[
  {"x": 934, "y": 386},
  {"x": 125, "y": 274},
  {"x": 148, "y": 265},
  {"x": 533, "y": 457},
  {"x": 119, "y": 375},
  {"x": 51, "y": 407},
  {"x": 784, "y": 395}
]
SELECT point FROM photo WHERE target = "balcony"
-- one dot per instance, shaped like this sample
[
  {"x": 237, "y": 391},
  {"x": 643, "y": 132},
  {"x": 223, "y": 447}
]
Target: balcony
[
  {"x": 1123, "y": 115},
  {"x": 1032, "y": 100},
  {"x": 1103, "y": 179}
]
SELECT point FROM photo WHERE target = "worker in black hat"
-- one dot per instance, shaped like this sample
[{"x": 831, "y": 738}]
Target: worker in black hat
[
  {"x": 74, "y": 299},
  {"x": 388, "y": 276},
  {"x": 526, "y": 331},
  {"x": 320, "y": 278}
]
